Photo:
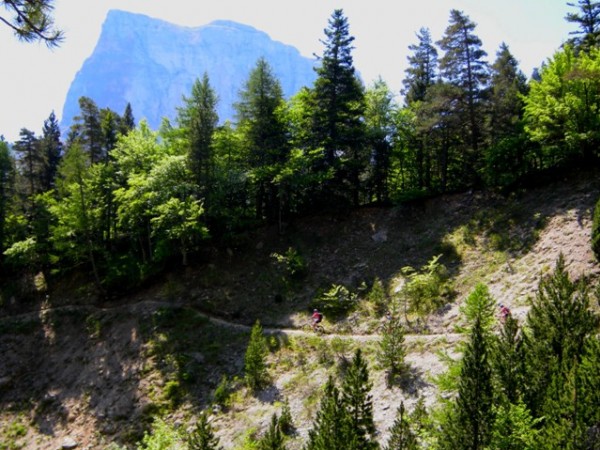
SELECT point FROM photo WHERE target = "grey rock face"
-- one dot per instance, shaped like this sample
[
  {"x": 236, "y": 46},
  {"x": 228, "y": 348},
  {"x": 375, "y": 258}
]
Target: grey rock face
[{"x": 152, "y": 64}]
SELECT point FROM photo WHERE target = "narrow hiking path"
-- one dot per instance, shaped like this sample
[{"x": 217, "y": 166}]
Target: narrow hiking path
[{"x": 152, "y": 305}]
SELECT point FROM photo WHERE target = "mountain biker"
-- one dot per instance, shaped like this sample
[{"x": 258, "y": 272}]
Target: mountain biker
[
  {"x": 504, "y": 312},
  {"x": 317, "y": 317}
]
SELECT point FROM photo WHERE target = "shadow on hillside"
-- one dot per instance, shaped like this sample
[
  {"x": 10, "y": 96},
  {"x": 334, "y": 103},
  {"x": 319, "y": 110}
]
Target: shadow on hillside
[{"x": 117, "y": 369}]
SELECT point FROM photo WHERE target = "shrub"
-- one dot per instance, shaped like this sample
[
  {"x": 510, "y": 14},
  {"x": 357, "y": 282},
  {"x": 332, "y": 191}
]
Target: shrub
[
  {"x": 255, "y": 365},
  {"x": 335, "y": 301}
]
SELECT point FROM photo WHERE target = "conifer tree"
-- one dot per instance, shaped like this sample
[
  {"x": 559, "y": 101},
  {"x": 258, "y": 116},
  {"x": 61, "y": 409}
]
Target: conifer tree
[
  {"x": 558, "y": 325},
  {"x": 391, "y": 350},
  {"x": 32, "y": 21},
  {"x": 127, "y": 120},
  {"x": 198, "y": 119},
  {"x": 255, "y": 364},
  {"x": 265, "y": 134},
  {"x": 588, "y": 20},
  {"x": 86, "y": 130},
  {"x": 203, "y": 437},
  {"x": 332, "y": 429},
  {"x": 421, "y": 72},
  {"x": 339, "y": 107},
  {"x": 402, "y": 436},
  {"x": 507, "y": 361},
  {"x": 6, "y": 191},
  {"x": 273, "y": 438},
  {"x": 357, "y": 400},
  {"x": 463, "y": 66},
  {"x": 52, "y": 149}
]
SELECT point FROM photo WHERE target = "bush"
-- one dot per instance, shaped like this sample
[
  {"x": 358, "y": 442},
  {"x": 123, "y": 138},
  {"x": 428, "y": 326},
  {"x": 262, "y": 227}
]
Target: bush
[
  {"x": 336, "y": 301},
  {"x": 596, "y": 231},
  {"x": 255, "y": 359}
]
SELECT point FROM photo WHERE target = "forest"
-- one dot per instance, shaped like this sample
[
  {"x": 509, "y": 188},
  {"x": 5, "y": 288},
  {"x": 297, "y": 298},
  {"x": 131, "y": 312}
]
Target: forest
[{"x": 122, "y": 202}]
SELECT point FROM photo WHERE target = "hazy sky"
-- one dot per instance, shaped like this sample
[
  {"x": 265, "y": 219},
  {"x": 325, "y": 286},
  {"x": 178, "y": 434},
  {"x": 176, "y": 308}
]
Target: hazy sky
[{"x": 35, "y": 80}]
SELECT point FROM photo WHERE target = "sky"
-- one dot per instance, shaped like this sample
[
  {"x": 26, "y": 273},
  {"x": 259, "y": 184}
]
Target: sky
[{"x": 35, "y": 79}]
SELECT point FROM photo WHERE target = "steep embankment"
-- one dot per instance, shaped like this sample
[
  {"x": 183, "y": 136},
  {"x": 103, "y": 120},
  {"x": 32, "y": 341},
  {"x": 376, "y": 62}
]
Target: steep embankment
[{"x": 98, "y": 373}]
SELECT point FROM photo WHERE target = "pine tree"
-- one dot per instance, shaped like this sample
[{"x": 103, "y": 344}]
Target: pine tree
[
  {"x": 358, "y": 402},
  {"x": 332, "y": 429},
  {"x": 339, "y": 107},
  {"x": 421, "y": 72},
  {"x": 391, "y": 350},
  {"x": 558, "y": 325},
  {"x": 273, "y": 438},
  {"x": 86, "y": 130},
  {"x": 507, "y": 361},
  {"x": 588, "y": 20},
  {"x": 379, "y": 113},
  {"x": 402, "y": 436},
  {"x": 127, "y": 120},
  {"x": 463, "y": 66},
  {"x": 32, "y": 21},
  {"x": 265, "y": 134},
  {"x": 505, "y": 155},
  {"x": 52, "y": 149},
  {"x": 203, "y": 437},
  {"x": 6, "y": 191},
  {"x": 255, "y": 364},
  {"x": 198, "y": 119},
  {"x": 469, "y": 419}
]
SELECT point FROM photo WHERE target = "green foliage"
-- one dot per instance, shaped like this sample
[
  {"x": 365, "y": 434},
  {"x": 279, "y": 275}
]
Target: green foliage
[
  {"x": 273, "y": 439},
  {"x": 479, "y": 305},
  {"x": 162, "y": 437},
  {"x": 203, "y": 437},
  {"x": 255, "y": 359},
  {"x": 558, "y": 325},
  {"x": 286, "y": 422},
  {"x": 514, "y": 428},
  {"x": 378, "y": 296},
  {"x": 331, "y": 429},
  {"x": 335, "y": 301},
  {"x": 358, "y": 402},
  {"x": 222, "y": 392},
  {"x": 402, "y": 436},
  {"x": 392, "y": 351},
  {"x": 294, "y": 264},
  {"x": 424, "y": 290},
  {"x": 561, "y": 108},
  {"x": 596, "y": 231}
]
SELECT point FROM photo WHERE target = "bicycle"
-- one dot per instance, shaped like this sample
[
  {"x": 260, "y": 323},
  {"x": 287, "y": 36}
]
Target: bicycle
[{"x": 317, "y": 328}]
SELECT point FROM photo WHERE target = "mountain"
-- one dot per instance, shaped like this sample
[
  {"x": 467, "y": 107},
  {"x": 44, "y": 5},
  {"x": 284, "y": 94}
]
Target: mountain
[{"x": 151, "y": 64}]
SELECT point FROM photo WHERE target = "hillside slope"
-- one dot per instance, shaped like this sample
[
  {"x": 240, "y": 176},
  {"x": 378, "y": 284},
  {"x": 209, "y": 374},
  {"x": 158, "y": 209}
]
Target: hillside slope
[{"x": 97, "y": 373}]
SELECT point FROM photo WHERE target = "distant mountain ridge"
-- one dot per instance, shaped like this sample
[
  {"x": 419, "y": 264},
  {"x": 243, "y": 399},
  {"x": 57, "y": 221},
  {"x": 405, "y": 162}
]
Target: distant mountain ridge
[{"x": 151, "y": 64}]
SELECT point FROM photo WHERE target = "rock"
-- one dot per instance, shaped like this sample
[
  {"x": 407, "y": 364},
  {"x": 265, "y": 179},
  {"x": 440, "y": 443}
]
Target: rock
[
  {"x": 198, "y": 357},
  {"x": 151, "y": 64},
  {"x": 380, "y": 236},
  {"x": 68, "y": 443}
]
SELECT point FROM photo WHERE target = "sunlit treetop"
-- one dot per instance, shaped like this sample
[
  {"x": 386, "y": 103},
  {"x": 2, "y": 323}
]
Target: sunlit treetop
[{"x": 31, "y": 20}]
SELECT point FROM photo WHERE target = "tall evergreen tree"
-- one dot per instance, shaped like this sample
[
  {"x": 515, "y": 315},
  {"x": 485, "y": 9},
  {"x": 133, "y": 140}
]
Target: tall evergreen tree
[
  {"x": 127, "y": 120},
  {"x": 265, "y": 134},
  {"x": 559, "y": 323},
  {"x": 199, "y": 118},
  {"x": 6, "y": 188},
  {"x": 339, "y": 106},
  {"x": 379, "y": 115},
  {"x": 30, "y": 166},
  {"x": 86, "y": 130},
  {"x": 52, "y": 149},
  {"x": 588, "y": 20},
  {"x": 505, "y": 157},
  {"x": 273, "y": 439},
  {"x": 421, "y": 72},
  {"x": 463, "y": 66},
  {"x": 255, "y": 364},
  {"x": 507, "y": 361},
  {"x": 402, "y": 436},
  {"x": 357, "y": 400},
  {"x": 203, "y": 437},
  {"x": 475, "y": 392},
  {"x": 332, "y": 428}
]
